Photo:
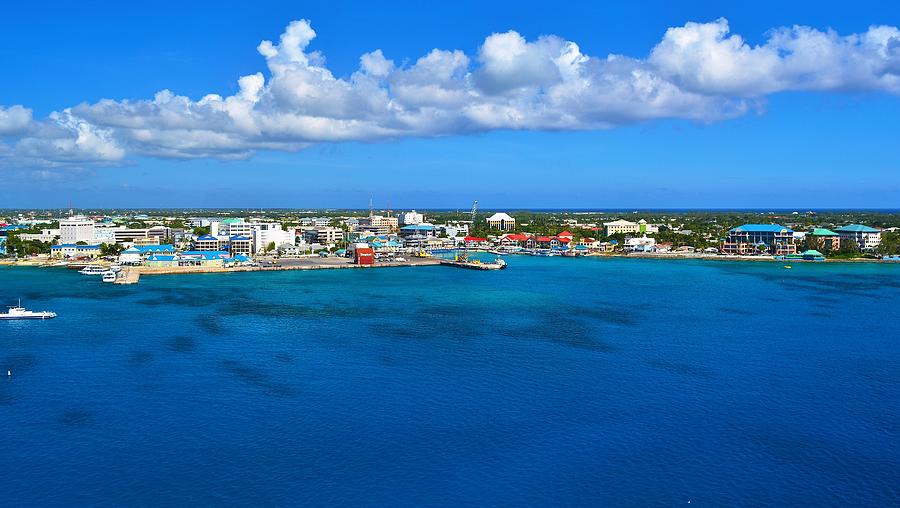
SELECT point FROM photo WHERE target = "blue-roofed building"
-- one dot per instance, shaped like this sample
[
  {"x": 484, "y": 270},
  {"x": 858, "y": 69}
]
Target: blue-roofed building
[
  {"x": 162, "y": 261},
  {"x": 239, "y": 244},
  {"x": 750, "y": 239},
  {"x": 209, "y": 243},
  {"x": 417, "y": 229},
  {"x": 866, "y": 238}
]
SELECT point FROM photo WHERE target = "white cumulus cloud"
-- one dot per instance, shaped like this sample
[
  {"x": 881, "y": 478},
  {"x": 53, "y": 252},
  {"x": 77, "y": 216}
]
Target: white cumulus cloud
[{"x": 698, "y": 72}]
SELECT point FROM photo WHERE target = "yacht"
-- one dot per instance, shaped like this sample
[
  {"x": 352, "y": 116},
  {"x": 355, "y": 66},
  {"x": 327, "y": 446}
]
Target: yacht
[
  {"x": 19, "y": 312},
  {"x": 93, "y": 270},
  {"x": 109, "y": 276}
]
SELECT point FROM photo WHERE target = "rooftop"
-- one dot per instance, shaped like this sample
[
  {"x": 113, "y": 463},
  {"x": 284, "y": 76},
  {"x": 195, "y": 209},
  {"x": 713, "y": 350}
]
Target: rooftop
[
  {"x": 857, "y": 228},
  {"x": 761, "y": 228}
]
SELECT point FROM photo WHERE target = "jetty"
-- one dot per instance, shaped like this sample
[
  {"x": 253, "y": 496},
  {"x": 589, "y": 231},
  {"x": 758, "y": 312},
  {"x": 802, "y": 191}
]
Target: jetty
[
  {"x": 128, "y": 276},
  {"x": 475, "y": 265}
]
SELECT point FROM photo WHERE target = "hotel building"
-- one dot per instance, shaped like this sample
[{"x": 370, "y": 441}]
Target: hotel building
[{"x": 758, "y": 238}]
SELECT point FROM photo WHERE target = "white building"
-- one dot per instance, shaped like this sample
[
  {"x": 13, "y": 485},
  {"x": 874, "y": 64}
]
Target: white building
[
  {"x": 501, "y": 221},
  {"x": 76, "y": 229},
  {"x": 644, "y": 227},
  {"x": 865, "y": 237},
  {"x": 268, "y": 233},
  {"x": 261, "y": 234},
  {"x": 411, "y": 217},
  {"x": 642, "y": 244},
  {"x": 316, "y": 222},
  {"x": 46, "y": 235}
]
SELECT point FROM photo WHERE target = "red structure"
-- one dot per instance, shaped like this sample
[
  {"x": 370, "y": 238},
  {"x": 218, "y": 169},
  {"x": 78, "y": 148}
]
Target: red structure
[{"x": 364, "y": 256}]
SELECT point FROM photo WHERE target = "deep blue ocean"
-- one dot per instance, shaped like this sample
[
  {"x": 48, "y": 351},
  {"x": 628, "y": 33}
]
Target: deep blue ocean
[{"x": 572, "y": 382}]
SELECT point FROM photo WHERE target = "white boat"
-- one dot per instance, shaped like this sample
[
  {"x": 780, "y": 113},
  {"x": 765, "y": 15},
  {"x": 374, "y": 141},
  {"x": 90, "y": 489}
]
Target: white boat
[
  {"x": 19, "y": 312},
  {"x": 93, "y": 270},
  {"x": 109, "y": 276}
]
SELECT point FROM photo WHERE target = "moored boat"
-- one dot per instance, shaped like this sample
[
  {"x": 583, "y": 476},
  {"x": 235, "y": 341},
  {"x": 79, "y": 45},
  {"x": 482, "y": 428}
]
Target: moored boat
[
  {"x": 93, "y": 270},
  {"x": 109, "y": 276}
]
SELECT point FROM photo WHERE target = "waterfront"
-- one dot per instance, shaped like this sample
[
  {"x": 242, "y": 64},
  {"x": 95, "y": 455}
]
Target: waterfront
[{"x": 557, "y": 381}]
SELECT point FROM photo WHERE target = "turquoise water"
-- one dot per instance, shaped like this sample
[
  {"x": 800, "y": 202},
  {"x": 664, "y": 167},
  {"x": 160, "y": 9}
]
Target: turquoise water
[{"x": 557, "y": 381}]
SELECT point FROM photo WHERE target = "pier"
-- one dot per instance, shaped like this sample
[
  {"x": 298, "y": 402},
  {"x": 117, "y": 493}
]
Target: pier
[{"x": 128, "y": 276}]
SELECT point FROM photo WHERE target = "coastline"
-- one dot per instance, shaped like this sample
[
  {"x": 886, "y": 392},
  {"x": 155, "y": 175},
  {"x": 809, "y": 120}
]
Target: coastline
[{"x": 291, "y": 264}]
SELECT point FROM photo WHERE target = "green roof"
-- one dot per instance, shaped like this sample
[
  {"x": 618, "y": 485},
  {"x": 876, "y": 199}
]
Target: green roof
[
  {"x": 822, "y": 232},
  {"x": 812, "y": 252}
]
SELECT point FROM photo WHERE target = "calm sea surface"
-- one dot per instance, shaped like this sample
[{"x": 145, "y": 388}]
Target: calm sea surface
[{"x": 556, "y": 382}]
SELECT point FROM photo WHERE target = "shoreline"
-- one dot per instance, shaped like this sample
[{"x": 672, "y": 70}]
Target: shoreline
[{"x": 293, "y": 264}]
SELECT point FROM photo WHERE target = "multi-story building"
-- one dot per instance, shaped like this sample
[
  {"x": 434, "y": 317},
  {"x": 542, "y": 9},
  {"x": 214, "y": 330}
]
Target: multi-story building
[
  {"x": 378, "y": 224},
  {"x": 760, "y": 238},
  {"x": 46, "y": 235},
  {"x": 620, "y": 226},
  {"x": 865, "y": 237},
  {"x": 267, "y": 233},
  {"x": 238, "y": 244},
  {"x": 316, "y": 222},
  {"x": 77, "y": 228},
  {"x": 823, "y": 238},
  {"x": 129, "y": 235},
  {"x": 644, "y": 227},
  {"x": 411, "y": 217},
  {"x": 210, "y": 243},
  {"x": 501, "y": 221},
  {"x": 261, "y": 234},
  {"x": 329, "y": 235}
]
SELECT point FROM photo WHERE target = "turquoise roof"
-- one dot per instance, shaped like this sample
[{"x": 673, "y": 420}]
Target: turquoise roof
[
  {"x": 761, "y": 228},
  {"x": 857, "y": 228}
]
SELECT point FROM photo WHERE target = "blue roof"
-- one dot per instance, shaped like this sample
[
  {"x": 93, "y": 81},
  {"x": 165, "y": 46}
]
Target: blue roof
[
  {"x": 417, "y": 227},
  {"x": 207, "y": 237},
  {"x": 239, "y": 238},
  {"x": 157, "y": 248},
  {"x": 857, "y": 228},
  {"x": 158, "y": 257},
  {"x": 762, "y": 228}
]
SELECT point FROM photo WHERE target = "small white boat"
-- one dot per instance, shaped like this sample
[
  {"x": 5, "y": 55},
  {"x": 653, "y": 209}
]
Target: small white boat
[
  {"x": 109, "y": 276},
  {"x": 93, "y": 270},
  {"x": 19, "y": 312}
]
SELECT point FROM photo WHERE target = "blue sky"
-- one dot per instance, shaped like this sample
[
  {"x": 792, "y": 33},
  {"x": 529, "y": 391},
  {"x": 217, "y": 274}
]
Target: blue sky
[{"x": 797, "y": 145}]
